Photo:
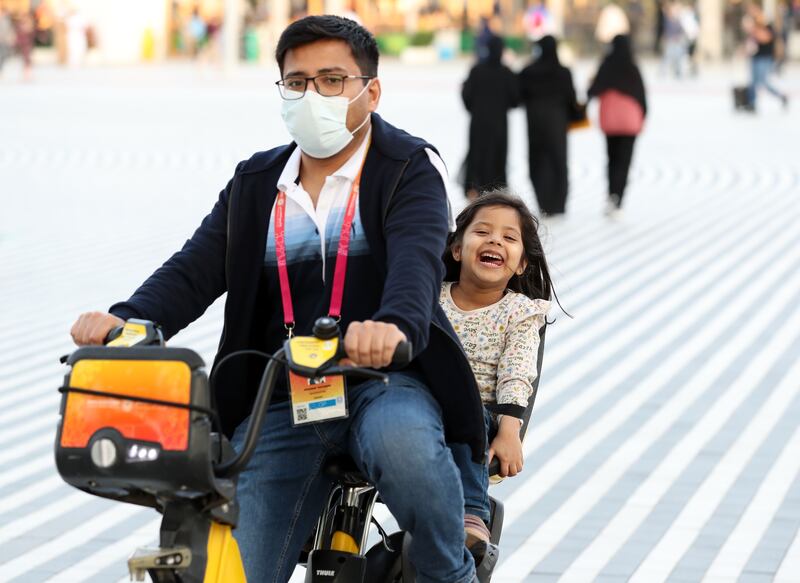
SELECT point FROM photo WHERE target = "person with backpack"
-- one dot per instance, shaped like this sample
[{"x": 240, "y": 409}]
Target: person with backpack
[{"x": 623, "y": 106}]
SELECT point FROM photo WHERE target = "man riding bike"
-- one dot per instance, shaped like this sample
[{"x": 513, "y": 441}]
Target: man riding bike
[{"x": 350, "y": 220}]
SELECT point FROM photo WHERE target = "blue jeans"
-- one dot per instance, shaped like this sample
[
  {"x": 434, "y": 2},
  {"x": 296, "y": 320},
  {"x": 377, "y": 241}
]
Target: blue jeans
[
  {"x": 474, "y": 477},
  {"x": 760, "y": 68},
  {"x": 395, "y": 435}
]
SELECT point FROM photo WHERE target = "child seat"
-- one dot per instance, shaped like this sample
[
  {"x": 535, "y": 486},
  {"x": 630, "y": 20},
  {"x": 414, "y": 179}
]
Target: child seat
[{"x": 389, "y": 559}]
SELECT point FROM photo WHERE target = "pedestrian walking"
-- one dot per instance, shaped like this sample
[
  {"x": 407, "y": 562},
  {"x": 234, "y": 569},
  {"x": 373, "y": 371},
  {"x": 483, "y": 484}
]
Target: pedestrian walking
[
  {"x": 623, "y": 106},
  {"x": 784, "y": 27},
  {"x": 25, "y": 32},
  {"x": 690, "y": 24},
  {"x": 658, "y": 36},
  {"x": 488, "y": 93},
  {"x": 547, "y": 91},
  {"x": 8, "y": 37},
  {"x": 637, "y": 16},
  {"x": 674, "y": 41},
  {"x": 761, "y": 46},
  {"x": 196, "y": 30},
  {"x": 486, "y": 34}
]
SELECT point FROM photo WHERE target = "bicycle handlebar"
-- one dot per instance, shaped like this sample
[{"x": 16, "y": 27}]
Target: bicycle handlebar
[
  {"x": 136, "y": 332},
  {"x": 150, "y": 334},
  {"x": 402, "y": 356},
  {"x": 113, "y": 334}
]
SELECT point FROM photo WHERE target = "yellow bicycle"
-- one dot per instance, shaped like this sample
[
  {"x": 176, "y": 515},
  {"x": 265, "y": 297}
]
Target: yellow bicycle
[{"x": 137, "y": 425}]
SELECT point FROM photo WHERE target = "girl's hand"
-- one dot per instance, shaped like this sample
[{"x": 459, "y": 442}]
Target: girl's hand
[{"x": 507, "y": 446}]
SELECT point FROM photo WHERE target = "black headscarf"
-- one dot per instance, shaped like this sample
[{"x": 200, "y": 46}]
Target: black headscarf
[
  {"x": 548, "y": 53},
  {"x": 546, "y": 77},
  {"x": 619, "y": 71}
]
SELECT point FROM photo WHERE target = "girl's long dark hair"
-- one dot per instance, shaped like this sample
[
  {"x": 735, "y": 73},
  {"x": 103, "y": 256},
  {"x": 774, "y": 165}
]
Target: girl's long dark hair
[{"x": 535, "y": 281}]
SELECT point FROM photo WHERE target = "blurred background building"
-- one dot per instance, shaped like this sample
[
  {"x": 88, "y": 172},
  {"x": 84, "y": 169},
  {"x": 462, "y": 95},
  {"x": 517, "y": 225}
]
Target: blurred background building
[{"x": 228, "y": 31}]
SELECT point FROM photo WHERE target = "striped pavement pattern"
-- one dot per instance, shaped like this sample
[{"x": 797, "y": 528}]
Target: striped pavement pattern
[{"x": 664, "y": 441}]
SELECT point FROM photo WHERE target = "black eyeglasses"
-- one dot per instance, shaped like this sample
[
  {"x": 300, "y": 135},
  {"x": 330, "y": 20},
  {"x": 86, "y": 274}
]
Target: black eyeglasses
[{"x": 326, "y": 84}]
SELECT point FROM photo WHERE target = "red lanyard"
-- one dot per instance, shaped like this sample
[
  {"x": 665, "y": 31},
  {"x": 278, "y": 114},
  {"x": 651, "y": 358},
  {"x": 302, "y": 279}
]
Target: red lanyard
[{"x": 337, "y": 292}]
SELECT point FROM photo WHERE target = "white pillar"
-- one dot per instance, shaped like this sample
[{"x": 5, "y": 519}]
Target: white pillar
[
  {"x": 334, "y": 7},
  {"x": 231, "y": 34},
  {"x": 278, "y": 21},
  {"x": 770, "y": 9},
  {"x": 712, "y": 21},
  {"x": 556, "y": 8},
  {"x": 411, "y": 10}
]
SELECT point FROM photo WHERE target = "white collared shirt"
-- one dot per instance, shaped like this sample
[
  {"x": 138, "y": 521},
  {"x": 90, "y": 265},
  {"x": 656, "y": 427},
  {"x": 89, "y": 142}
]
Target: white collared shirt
[{"x": 306, "y": 224}]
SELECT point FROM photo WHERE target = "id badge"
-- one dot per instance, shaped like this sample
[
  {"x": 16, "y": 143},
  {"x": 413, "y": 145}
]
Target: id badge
[{"x": 319, "y": 399}]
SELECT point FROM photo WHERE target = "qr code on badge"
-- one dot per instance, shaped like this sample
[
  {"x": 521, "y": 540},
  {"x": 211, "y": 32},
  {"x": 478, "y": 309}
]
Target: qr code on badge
[{"x": 302, "y": 414}]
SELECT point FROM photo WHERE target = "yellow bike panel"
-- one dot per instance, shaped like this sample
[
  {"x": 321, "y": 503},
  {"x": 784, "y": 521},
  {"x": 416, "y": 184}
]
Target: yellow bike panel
[
  {"x": 224, "y": 561},
  {"x": 166, "y": 380}
]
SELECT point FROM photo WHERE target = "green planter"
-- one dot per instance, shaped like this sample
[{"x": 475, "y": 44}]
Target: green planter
[
  {"x": 516, "y": 44},
  {"x": 467, "y": 41},
  {"x": 251, "y": 51},
  {"x": 392, "y": 43},
  {"x": 421, "y": 39}
]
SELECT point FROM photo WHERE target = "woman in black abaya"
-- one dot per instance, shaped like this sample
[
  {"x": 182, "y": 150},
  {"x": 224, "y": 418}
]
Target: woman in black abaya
[
  {"x": 488, "y": 93},
  {"x": 549, "y": 97},
  {"x": 618, "y": 73}
]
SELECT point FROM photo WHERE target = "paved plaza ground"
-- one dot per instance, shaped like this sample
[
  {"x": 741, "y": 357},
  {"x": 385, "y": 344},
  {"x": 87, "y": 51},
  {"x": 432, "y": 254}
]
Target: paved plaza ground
[{"x": 664, "y": 442}]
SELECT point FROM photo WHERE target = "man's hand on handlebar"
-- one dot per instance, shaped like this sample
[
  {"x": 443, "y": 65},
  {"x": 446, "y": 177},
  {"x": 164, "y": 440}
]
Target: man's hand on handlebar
[
  {"x": 92, "y": 328},
  {"x": 371, "y": 344}
]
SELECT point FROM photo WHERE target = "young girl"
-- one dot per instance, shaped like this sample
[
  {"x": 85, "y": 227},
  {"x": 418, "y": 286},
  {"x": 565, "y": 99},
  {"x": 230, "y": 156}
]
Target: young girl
[{"x": 496, "y": 293}]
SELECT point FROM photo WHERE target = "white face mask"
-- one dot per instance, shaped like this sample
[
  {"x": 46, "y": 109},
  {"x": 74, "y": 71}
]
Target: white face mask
[{"x": 319, "y": 124}]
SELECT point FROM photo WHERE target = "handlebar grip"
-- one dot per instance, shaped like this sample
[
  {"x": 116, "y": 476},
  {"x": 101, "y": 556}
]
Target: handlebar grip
[
  {"x": 113, "y": 334},
  {"x": 403, "y": 354}
]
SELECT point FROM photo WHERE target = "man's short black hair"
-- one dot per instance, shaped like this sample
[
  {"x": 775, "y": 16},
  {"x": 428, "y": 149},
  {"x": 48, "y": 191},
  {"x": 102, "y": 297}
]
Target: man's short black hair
[{"x": 313, "y": 28}]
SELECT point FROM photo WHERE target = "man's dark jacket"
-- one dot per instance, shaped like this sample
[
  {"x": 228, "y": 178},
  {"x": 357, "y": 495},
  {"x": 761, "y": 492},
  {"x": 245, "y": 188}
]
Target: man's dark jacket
[{"x": 404, "y": 212}]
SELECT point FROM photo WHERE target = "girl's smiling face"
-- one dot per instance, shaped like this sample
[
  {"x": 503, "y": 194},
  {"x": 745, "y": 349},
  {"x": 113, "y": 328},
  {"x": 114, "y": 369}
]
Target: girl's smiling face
[{"x": 491, "y": 251}]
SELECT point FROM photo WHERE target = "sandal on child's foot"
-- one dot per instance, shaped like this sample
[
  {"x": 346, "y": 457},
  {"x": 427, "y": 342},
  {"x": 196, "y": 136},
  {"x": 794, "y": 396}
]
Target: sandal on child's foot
[{"x": 475, "y": 530}]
